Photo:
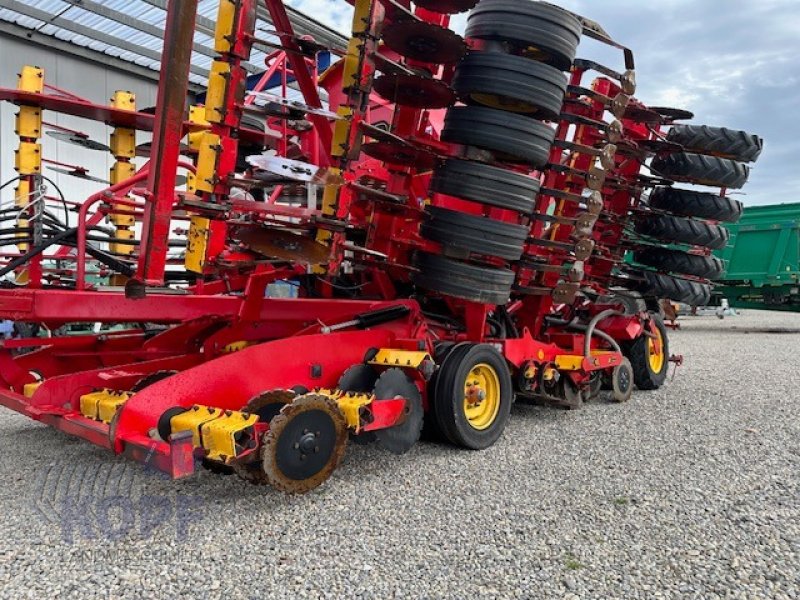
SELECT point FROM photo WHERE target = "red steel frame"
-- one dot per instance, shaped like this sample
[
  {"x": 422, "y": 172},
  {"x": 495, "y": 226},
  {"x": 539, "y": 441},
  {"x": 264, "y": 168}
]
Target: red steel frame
[{"x": 228, "y": 304}]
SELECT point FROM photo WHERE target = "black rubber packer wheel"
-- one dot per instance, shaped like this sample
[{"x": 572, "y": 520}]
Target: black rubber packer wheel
[
  {"x": 509, "y": 136},
  {"x": 717, "y": 141},
  {"x": 674, "y": 288},
  {"x": 448, "y": 401},
  {"x": 552, "y": 32},
  {"x": 478, "y": 235},
  {"x": 683, "y": 231},
  {"x": 703, "y": 205},
  {"x": 638, "y": 352},
  {"x": 702, "y": 170},
  {"x": 486, "y": 184},
  {"x": 460, "y": 280},
  {"x": 678, "y": 261},
  {"x": 512, "y": 83}
]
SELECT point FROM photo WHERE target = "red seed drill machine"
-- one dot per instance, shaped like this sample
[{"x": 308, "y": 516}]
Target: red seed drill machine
[{"x": 442, "y": 226}]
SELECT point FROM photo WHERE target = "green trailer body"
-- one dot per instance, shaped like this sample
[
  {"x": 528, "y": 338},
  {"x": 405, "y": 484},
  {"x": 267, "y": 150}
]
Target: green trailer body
[{"x": 763, "y": 259}]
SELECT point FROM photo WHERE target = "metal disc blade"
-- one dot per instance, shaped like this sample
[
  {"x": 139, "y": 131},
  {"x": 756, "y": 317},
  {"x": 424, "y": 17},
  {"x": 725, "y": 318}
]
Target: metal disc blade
[
  {"x": 144, "y": 150},
  {"x": 642, "y": 115},
  {"x": 415, "y": 91},
  {"x": 304, "y": 444},
  {"x": 424, "y": 42},
  {"x": 400, "y": 154},
  {"x": 400, "y": 438},
  {"x": 673, "y": 114},
  {"x": 78, "y": 140},
  {"x": 285, "y": 245},
  {"x": 447, "y": 7},
  {"x": 80, "y": 174}
]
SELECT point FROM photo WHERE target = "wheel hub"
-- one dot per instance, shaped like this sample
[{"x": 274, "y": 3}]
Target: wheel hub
[{"x": 481, "y": 396}]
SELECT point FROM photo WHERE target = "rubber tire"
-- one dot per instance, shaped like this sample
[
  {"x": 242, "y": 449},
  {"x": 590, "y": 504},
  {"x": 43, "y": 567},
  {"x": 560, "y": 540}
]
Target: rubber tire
[
  {"x": 661, "y": 286},
  {"x": 487, "y": 185},
  {"x": 703, "y": 205},
  {"x": 510, "y": 136},
  {"x": 478, "y": 235},
  {"x": 678, "y": 261},
  {"x": 511, "y": 83},
  {"x": 702, "y": 170},
  {"x": 638, "y": 353},
  {"x": 683, "y": 231},
  {"x": 457, "y": 279},
  {"x": 448, "y": 401},
  {"x": 544, "y": 26},
  {"x": 717, "y": 141}
]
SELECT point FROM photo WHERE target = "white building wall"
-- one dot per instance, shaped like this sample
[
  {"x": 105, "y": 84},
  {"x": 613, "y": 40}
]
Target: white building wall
[{"x": 88, "y": 79}]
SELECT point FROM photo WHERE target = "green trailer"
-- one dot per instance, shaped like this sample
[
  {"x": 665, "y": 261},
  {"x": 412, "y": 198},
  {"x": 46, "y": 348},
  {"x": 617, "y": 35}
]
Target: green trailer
[{"x": 763, "y": 259}]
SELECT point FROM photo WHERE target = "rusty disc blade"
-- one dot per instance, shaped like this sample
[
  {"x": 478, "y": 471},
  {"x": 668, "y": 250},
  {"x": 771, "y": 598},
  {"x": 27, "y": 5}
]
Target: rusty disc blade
[
  {"x": 424, "y": 42},
  {"x": 285, "y": 245},
  {"x": 400, "y": 154},
  {"x": 304, "y": 444},
  {"x": 415, "y": 91}
]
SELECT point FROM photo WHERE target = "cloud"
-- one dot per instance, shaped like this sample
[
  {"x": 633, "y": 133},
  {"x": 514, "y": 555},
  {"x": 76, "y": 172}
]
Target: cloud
[{"x": 731, "y": 62}]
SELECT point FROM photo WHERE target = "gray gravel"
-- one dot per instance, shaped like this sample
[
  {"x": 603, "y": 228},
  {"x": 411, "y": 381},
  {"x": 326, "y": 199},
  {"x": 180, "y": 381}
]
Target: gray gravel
[{"x": 692, "y": 491}]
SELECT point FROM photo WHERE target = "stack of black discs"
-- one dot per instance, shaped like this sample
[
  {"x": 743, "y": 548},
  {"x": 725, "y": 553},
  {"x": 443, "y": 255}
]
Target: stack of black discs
[{"x": 509, "y": 88}]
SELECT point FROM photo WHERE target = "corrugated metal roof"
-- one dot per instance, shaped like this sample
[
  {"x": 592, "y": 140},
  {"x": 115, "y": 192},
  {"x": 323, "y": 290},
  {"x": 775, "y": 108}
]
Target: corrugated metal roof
[{"x": 129, "y": 29}]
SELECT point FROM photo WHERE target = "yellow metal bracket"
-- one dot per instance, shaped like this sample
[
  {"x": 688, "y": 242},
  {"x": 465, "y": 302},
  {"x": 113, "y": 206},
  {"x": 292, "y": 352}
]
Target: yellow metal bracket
[
  {"x": 216, "y": 431},
  {"x": 102, "y": 405},
  {"x": 350, "y": 404},
  {"x": 219, "y": 436},
  {"x": 28, "y": 158},
  {"x": 193, "y": 420},
  {"x": 407, "y": 359}
]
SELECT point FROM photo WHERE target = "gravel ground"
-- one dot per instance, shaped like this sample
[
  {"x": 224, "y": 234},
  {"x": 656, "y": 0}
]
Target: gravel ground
[{"x": 691, "y": 491}]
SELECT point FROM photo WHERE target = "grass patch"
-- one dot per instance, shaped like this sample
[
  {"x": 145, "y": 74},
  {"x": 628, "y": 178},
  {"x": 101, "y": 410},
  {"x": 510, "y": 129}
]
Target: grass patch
[{"x": 572, "y": 563}]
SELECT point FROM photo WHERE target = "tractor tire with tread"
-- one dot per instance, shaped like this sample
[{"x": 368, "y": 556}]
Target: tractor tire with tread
[
  {"x": 639, "y": 352},
  {"x": 702, "y": 170},
  {"x": 680, "y": 262},
  {"x": 673, "y": 288},
  {"x": 717, "y": 141},
  {"x": 683, "y": 231},
  {"x": 703, "y": 205}
]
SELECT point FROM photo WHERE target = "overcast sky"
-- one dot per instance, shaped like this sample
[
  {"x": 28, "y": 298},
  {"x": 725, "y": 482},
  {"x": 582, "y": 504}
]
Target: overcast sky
[{"x": 734, "y": 63}]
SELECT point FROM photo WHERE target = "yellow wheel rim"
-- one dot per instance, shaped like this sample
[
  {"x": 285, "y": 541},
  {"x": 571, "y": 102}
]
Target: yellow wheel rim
[
  {"x": 482, "y": 396},
  {"x": 503, "y": 103},
  {"x": 655, "y": 351}
]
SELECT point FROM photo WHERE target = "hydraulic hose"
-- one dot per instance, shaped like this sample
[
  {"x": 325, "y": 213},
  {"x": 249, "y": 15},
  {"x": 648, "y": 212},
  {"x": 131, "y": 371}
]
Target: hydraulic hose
[{"x": 590, "y": 330}]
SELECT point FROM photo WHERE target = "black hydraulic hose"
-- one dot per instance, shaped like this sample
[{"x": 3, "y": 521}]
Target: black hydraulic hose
[
  {"x": 9, "y": 182},
  {"x": 37, "y": 250}
]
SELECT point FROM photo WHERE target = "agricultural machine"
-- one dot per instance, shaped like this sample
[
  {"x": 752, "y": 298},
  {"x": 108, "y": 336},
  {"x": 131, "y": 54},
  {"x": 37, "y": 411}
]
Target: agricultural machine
[{"x": 436, "y": 230}]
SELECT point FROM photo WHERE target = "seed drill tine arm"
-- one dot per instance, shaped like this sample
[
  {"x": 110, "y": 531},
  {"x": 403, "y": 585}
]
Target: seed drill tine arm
[
  {"x": 305, "y": 81},
  {"x": 167, "y": 133}
]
